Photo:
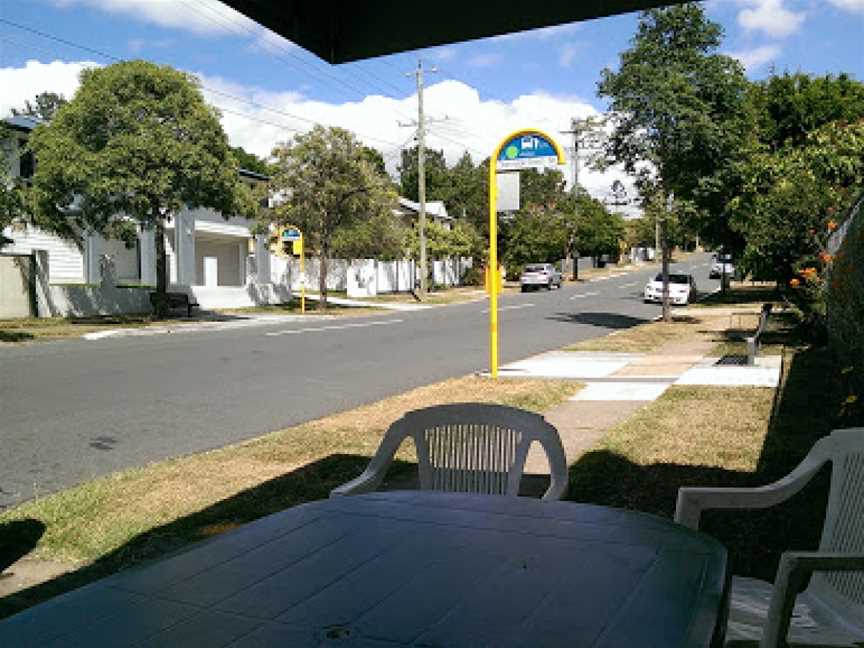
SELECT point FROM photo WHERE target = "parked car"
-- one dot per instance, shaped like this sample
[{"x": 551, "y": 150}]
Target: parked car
[
  {"x": 682, "y": 289},
  {"x": 722, "y": 265},
  {"x": 540, "y": 275}
]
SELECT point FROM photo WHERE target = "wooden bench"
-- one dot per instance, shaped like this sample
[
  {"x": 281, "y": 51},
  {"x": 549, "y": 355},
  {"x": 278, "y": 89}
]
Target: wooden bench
[
  {"x": 755, "y": 340},
  {"x": 176, "y": 300}
]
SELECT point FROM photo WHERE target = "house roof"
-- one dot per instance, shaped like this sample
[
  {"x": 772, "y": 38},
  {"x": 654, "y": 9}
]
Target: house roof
[
  {"x": 339, "y": 31},
  {"x": 434, "y": 208},
  {"x": 22, "y": 122}
]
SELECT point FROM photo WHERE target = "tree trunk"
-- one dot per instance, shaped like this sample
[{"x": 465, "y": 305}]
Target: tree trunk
[
  {"x": 322, "y": 278},
  {"x": 664, "y": 245},
  {"x": 161, "y": 302}
]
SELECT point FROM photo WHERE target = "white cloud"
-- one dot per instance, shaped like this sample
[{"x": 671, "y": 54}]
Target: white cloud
[
  {"x": 567, "y": 54},
  {"x": 475, "y": 124},
  {"x": 202, "y": 17},
  {"x": 770, "y": 17},
  {"x": 853, "y": 6},
  {"x": 754, "y": 58},
  {"x": 484, "y": 60},
  {"x": 21, "y": 84},
  {"x": 542, "y": 33},
  {"x": 443, "y": 54}
]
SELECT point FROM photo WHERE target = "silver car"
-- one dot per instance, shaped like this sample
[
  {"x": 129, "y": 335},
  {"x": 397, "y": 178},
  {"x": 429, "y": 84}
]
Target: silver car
[{"x": 540, "y": 275}]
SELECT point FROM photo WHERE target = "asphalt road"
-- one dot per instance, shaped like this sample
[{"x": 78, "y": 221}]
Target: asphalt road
[{"x": 74, "y": 409}]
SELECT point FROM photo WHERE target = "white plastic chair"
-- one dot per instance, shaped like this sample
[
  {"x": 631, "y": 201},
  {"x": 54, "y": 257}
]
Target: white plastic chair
[
  {"x": 468, "y": 447},
  {"x": 831, "y": 610}
]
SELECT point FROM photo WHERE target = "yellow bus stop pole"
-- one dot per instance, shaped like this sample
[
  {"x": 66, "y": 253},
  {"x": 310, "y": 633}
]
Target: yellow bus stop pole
[
  {"x": 302, "y": 276},
  {"x": 493, "y": 265},
  {"x": 494, "y": 273}
]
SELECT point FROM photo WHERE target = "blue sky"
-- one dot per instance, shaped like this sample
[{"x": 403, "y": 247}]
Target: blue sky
[{"x": 481, "y": 88}]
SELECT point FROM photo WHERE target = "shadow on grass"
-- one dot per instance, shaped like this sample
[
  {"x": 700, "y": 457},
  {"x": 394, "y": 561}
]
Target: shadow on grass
[
  {"x": 313, "y": 481},
  {"x": 743, "y": 295},
  {"x": 15, "y": 336},
  {"x": 806, "y": 409}
]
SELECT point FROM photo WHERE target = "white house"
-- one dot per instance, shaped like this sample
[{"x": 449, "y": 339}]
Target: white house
[
  {"x": 219, "y": 261},
  {"x": 436, "y": 211}
]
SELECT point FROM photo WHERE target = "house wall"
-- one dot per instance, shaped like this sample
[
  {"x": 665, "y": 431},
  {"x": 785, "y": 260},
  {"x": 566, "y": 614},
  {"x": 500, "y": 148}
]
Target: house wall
[
  {"x": 66, "y": 258},
  {"x": 228, "y": 255},
  {"x": 125, "y": 260}
]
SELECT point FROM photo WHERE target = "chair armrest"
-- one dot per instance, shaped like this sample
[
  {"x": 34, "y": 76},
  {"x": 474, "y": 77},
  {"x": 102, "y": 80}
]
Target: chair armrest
[
  {"x": 795, "y": 567},
  {"x": 375, "y": 472},
  {"x": 365, "y": 483},
  {"x": 692, "y": 501}
]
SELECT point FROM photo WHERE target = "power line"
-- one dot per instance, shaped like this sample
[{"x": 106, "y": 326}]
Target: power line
[{"x": 252, "y": 102}]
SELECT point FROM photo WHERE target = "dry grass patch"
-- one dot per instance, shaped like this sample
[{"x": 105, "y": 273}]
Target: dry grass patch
[
  {"x": 55, "y": 328},
  {"x": 138, "y": 513},
  {"x": 647, "y": 337}
]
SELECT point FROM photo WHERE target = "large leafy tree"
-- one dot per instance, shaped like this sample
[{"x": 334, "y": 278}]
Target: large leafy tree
[
  {"x": 327, "y": 183},
  {"x": 790, "y": 106},
  {"x": 681, "y": 107},
  {"x": 137, "y": 139},
  {"x": 12, "y": 192},
  {"x": 438, "y": 185},
  {"x": 44, "y": 106}
]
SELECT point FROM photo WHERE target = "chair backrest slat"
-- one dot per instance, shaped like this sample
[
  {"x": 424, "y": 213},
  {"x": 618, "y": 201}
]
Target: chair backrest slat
[
  {"x": 478, "y": 448},
  {"x": 843, "y": 530}
]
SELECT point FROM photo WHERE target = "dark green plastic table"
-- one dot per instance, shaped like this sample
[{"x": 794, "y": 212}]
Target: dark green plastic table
[{"x": 409, "y": 568}]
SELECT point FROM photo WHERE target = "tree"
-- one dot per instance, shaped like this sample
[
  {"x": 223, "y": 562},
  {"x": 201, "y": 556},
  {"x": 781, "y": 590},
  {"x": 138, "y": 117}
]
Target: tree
[
  {"x": 382, "y": 236},
  {"x": 469, "y": 192},
  {"x": 45, "y": 105},
  {"x": 681, "y": 108},
  {"x": 438, "y": 185},
  {"x": 250, "y": 161},
  {"x": 793, "y": 194},
  {"x": 536, "y": 235},
  {"x": 328, "y": 184},
  {"x": 791, "y": 106},
  {"x": 138, "y": 140},
  {"x": 12, "y": 192}
]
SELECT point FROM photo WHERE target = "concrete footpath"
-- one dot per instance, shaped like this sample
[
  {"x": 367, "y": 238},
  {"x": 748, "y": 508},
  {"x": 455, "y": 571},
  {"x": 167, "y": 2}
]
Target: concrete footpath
[{"x": 619, "y": 384}]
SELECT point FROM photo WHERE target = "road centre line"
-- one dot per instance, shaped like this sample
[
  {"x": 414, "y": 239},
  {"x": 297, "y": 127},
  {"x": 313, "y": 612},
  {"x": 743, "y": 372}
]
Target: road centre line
[
  {"x": 628, "y": 285},
  {"x": 584, "y": 295},
  {"x": 335, "y": 327},
  {"x": 515, "y": 307}
]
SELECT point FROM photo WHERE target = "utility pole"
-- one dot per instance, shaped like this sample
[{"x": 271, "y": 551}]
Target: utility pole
[{"x": 421, "y": 173}]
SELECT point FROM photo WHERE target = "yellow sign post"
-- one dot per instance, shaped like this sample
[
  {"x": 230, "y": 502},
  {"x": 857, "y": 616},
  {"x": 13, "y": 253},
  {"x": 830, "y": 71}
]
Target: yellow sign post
[
  {"x": 523, "y": 149},
  {"x": 293, "y": 235}
]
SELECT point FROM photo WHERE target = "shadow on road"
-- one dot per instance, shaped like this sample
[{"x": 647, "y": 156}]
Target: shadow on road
[{"x": 601, "y": 320}]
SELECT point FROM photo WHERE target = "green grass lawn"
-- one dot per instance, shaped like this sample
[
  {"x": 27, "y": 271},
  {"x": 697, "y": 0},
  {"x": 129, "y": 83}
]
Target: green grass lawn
[{"x": 721, "y": 436}]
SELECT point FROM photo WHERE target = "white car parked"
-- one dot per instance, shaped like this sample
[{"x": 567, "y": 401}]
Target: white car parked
[
  {"x": 722, "y": 265},
  {"x": 682, "y": 289}
]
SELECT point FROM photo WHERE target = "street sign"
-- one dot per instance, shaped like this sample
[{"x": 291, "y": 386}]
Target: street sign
[
  {"x": 524, "y": 149},
  {"x": 290, "y": 234},
  {"x": 528, "y": 151}
]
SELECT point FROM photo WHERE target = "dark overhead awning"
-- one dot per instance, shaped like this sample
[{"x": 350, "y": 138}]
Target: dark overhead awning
[{"x": 347, "y": 30}]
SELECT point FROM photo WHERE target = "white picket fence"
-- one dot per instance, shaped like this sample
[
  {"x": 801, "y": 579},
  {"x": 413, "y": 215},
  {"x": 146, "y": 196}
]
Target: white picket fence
[{"x": 366, "y": 277}]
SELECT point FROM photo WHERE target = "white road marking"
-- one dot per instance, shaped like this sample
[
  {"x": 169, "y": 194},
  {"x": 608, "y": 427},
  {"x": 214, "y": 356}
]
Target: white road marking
[
  {"x": 584, "y": 295},
  {"x": 515, "y": 307},
  {"x": 628, "y": 285},
  {"x": 335, "y": 327}
]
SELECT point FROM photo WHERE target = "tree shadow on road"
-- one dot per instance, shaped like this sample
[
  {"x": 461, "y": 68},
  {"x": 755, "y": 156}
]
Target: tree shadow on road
[{"x": 602, "y": 320}]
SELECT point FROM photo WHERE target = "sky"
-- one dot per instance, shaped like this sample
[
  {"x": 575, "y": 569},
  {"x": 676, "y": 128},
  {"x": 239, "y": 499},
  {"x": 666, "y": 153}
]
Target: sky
[{"x": 269, "y": 89}]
